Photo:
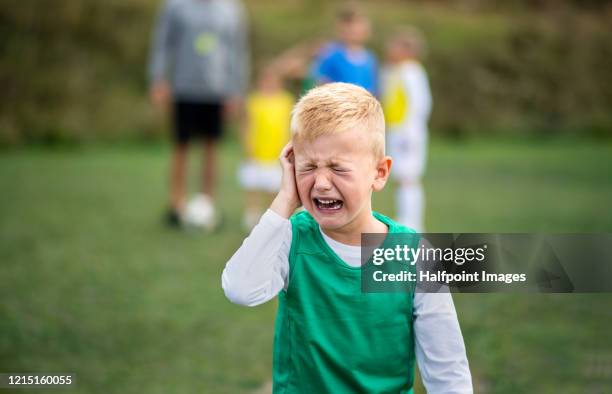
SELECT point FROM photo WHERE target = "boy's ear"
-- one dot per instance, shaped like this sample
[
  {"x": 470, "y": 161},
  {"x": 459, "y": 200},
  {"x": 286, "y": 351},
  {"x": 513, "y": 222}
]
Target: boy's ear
[{"x": 383, "y": 169}]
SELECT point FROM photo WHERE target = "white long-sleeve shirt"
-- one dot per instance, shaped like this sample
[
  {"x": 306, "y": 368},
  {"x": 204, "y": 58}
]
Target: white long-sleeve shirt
[{"x": 259, "y": 269}]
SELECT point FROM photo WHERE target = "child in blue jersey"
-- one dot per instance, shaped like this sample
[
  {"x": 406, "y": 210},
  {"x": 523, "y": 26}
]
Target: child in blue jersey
[
  {"x": 330, "y": 336},
  {"x": 347, "y": 60}
]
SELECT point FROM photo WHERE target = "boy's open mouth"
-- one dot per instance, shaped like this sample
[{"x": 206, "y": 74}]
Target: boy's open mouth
[{"x": 328, "y": 204}]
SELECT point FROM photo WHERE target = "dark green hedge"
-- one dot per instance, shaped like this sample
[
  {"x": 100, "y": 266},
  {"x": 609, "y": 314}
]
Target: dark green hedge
[{"x": 74, "y": 70}]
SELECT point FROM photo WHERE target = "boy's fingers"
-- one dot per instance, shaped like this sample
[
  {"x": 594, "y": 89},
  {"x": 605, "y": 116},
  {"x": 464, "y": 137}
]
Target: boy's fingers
[
  {"x": 286, "y": 155},
  {"x": 286, "y": 149}
]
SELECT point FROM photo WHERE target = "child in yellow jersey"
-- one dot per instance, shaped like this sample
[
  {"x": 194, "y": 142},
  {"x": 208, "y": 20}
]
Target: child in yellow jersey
[
  {"x": 268, "y": 110},
  {"x": 407, "y": 104}
]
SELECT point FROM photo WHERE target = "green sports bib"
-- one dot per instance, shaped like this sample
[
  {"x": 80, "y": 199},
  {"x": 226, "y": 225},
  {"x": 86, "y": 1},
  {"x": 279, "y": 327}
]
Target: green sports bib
[{"x": 332, "y": 338}]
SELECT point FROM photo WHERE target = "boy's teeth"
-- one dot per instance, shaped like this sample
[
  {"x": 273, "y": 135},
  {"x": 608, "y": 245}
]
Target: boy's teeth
[{"x": 329, "y": 204}]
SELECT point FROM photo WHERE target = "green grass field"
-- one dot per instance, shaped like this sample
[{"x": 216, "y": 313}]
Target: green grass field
[{"x": 92, "y": 283}]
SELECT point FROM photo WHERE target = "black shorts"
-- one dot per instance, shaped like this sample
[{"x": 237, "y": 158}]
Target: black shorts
[{"x": 197, "y": 119}]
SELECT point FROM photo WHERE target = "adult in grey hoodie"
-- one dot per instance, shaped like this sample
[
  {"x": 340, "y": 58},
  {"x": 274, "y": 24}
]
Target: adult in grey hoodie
[{"x": 198, "y": 66}]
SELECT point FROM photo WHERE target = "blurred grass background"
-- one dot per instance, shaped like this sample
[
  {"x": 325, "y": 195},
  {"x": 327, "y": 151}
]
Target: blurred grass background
[
  {"x": 92, "y": 283},
  {"x": 73, "y": 71}
]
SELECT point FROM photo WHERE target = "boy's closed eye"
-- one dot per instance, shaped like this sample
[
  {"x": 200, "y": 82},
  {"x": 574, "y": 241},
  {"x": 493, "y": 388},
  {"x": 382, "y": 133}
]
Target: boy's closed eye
[
  {"x": 340, "y": 170},
  {"x": 305, "y": 168},
  {"x": 335, "y": 168}
]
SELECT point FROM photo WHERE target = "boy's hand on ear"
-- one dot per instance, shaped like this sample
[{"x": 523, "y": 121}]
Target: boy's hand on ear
[{"x": 287, "y": 200}]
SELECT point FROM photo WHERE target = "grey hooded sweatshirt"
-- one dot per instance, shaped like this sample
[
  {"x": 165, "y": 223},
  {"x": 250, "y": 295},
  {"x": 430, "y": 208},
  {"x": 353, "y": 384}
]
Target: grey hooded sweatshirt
[{"x": 200, "y": 47}]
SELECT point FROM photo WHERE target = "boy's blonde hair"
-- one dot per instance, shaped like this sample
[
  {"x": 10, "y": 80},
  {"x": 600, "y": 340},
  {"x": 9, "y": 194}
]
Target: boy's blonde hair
[{"x": 339, "y": 107}]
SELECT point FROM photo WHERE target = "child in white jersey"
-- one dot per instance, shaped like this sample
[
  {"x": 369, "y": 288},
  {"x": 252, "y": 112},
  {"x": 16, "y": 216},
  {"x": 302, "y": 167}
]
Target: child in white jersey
[
  {"x": 407, "y": 105},
  {"x": 330, "y": 336}
]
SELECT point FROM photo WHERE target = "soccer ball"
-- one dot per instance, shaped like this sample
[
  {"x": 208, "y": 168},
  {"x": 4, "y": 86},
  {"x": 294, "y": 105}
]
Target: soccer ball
[{"x": 200, "y": 213}]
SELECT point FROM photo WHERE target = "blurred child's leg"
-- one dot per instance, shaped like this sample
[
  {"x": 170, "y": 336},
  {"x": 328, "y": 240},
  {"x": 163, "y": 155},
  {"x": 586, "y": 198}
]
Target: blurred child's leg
[
  {"x": 255, "y": 206},
  {"x": 411, "y": 204},
  {"x": 267, "y": 198},
  {"x": 261, "y": 183},
  {"x": 178, "y": 173},
  {"x": 252, "y": 209},
  {"x": 209, "y": 167},
  {"x": 410, "y": 155}
]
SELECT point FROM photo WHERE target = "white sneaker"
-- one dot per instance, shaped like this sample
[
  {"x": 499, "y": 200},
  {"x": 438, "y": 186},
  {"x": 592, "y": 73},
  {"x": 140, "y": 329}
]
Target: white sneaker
[{"x": 200, "y": 213}]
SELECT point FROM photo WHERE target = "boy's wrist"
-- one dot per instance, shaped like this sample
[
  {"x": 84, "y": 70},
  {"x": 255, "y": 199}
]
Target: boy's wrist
[{"x": 283, "y": 205}]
